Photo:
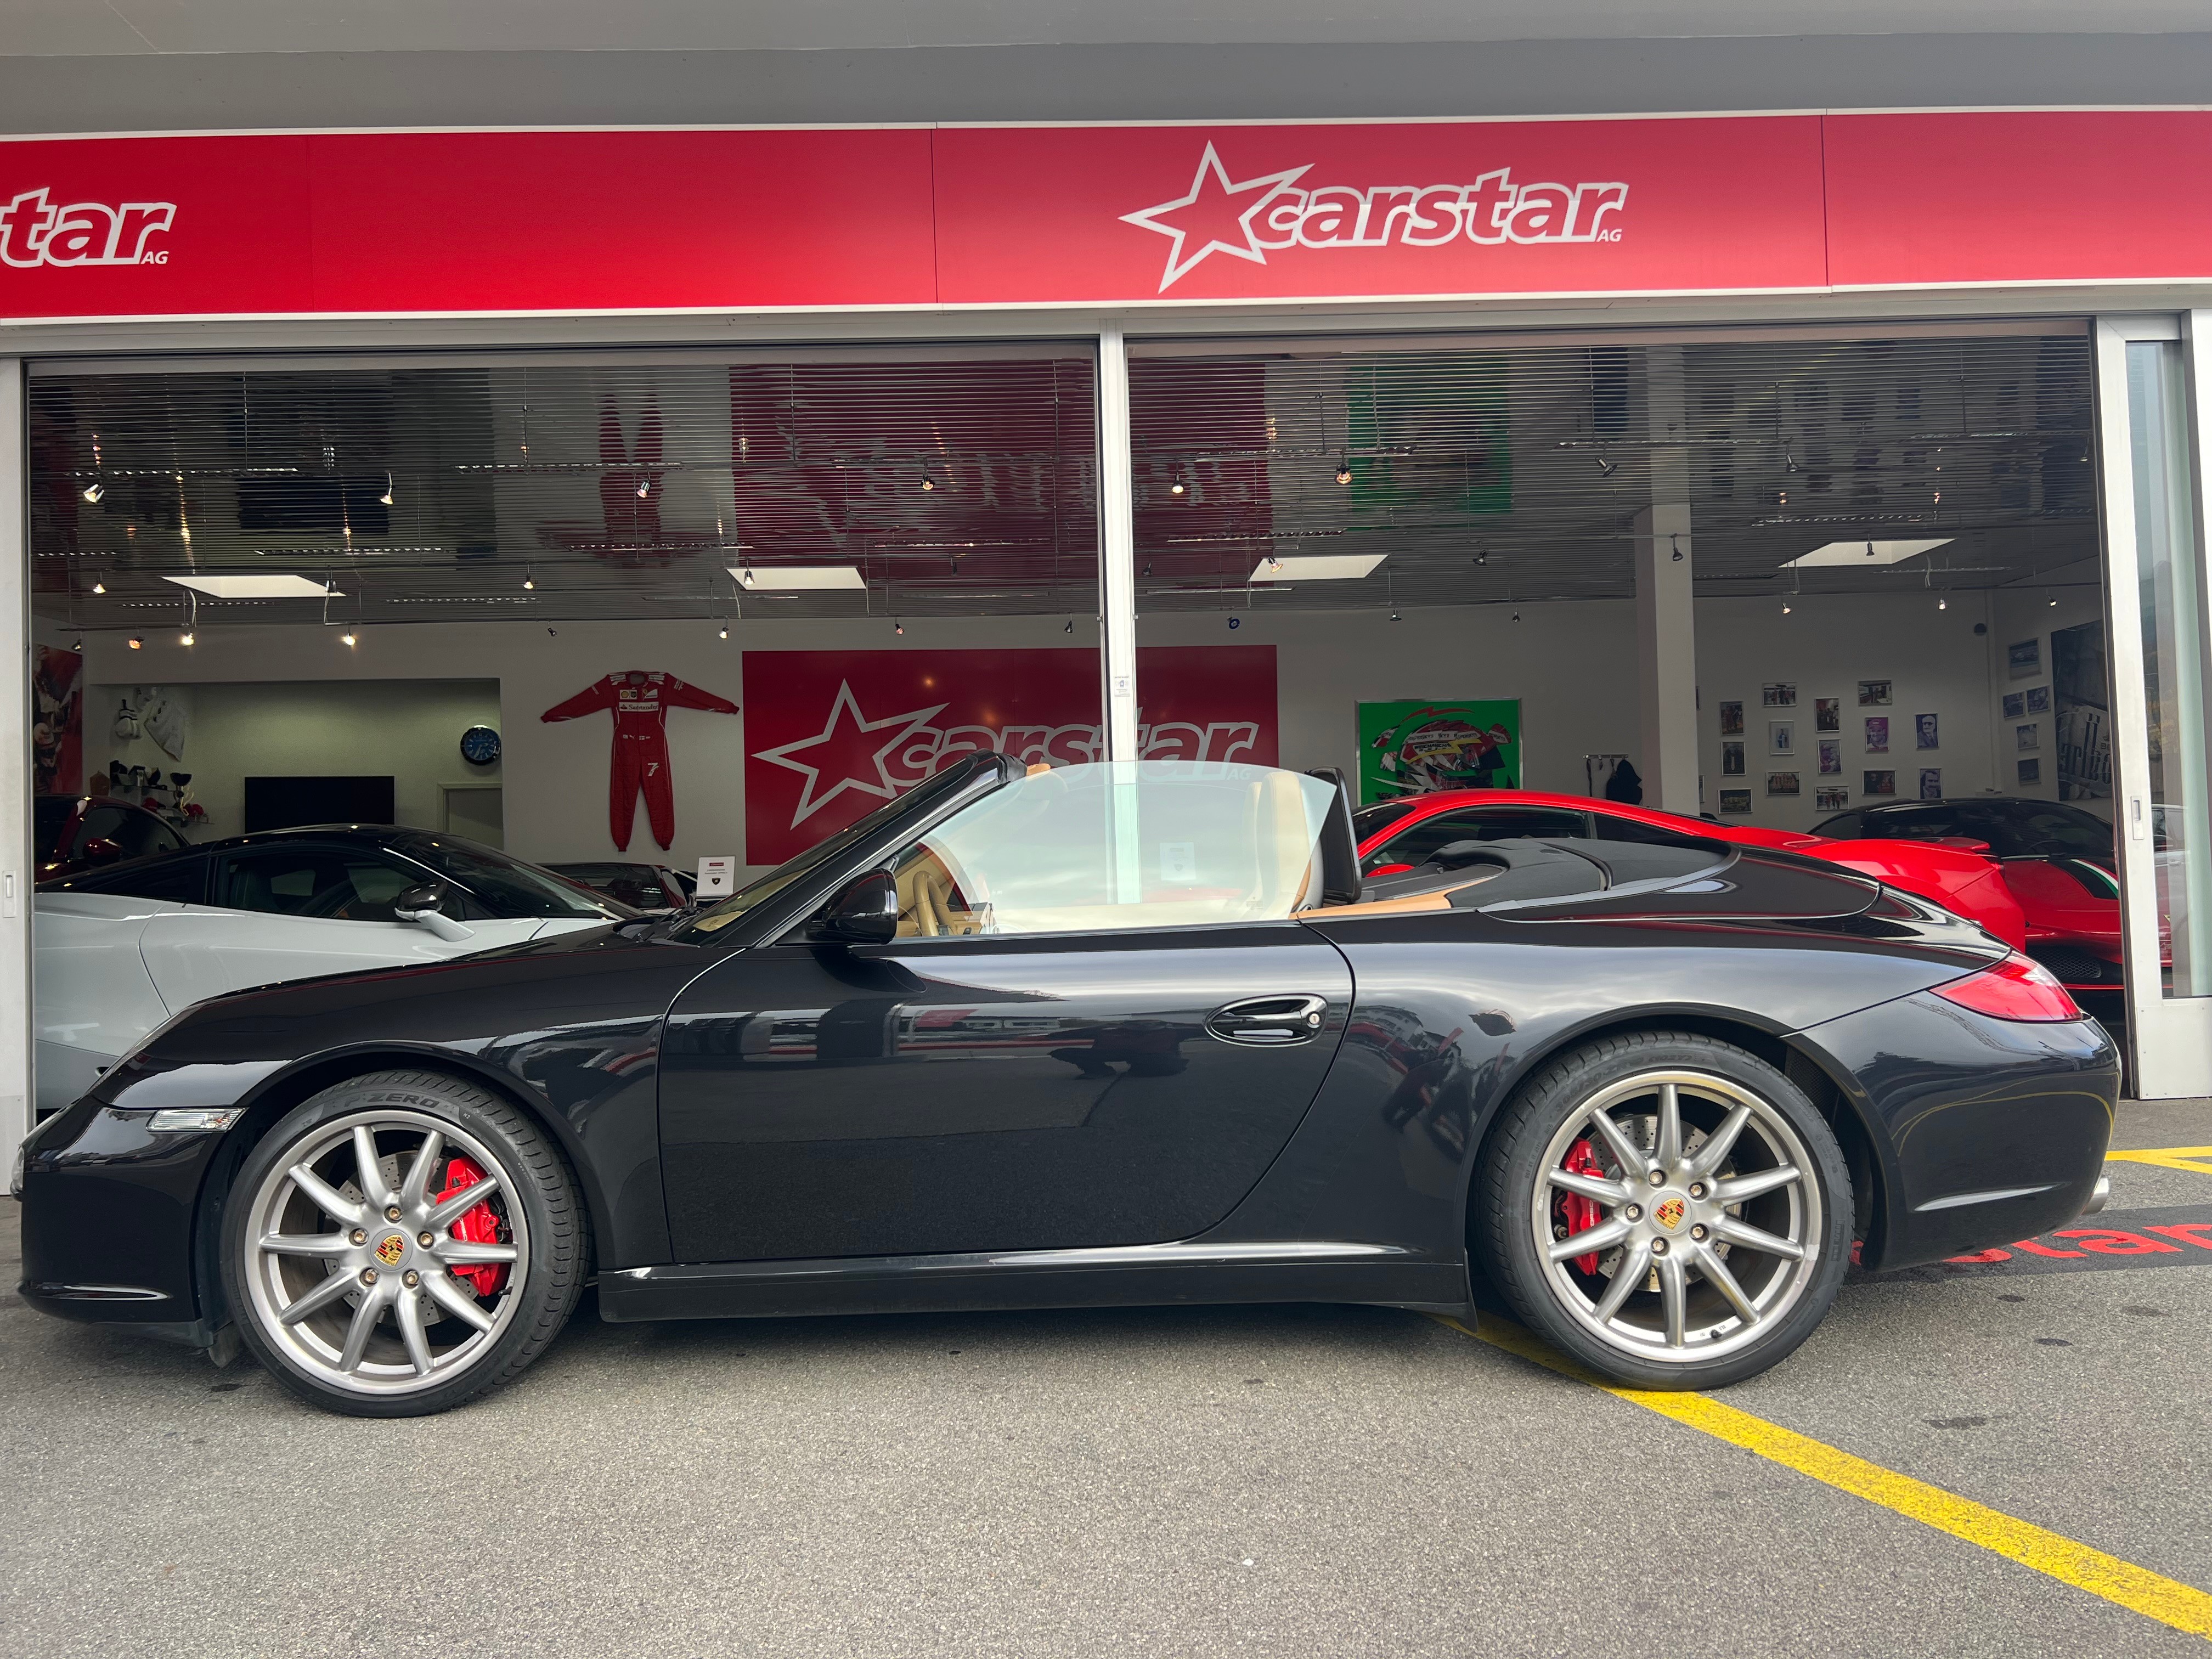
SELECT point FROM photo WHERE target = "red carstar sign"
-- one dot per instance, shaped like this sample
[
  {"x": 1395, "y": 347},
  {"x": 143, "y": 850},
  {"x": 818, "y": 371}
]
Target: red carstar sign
[
  {"x": 918, "y": 218},
  {"x": 832, "y": 735}
]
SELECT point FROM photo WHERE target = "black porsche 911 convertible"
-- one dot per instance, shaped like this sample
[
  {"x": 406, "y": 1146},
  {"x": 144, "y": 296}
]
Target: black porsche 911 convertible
[{"x": 1110, "y": 1034}]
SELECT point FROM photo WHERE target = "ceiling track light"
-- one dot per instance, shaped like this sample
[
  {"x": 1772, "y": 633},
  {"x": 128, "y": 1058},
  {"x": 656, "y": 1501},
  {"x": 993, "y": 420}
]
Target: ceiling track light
[
  {"x": 349, "y": 638},
  {"x": 529, "y": 579},
  {"x": 79, "y": 647},
  {"x": 1344, "y": 470},
  {"x": 898, "y": 627},
  {"x": 386, "y": 496},
  {"x": 1175, "y": 488},
  {"x": 184, "y": 638},
  {"x": 1067, "y": 626},
  {"x": 1675, "y": 541},
  {"x": 722, "y": 633},
  {"x": 94, "y": 490},
  {"x": 136, "y": 643},
  {"x": 1785, "y": 607},
  {"x": 1604, "y": 467},
  {"x": 1482, "y": 557},
  {"x": 99, "y": 587},
  {"x": 644, "y": 488}
]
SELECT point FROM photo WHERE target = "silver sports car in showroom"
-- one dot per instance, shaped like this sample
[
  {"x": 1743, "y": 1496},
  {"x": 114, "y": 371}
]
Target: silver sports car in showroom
[{"x": 119, "y": 950}]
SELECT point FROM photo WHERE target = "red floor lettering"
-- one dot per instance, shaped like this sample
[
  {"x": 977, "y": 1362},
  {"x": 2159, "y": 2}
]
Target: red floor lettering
[
  {"x": 2186, "y": 1231},
  {"x": 2034, "y": 1248},
  {"x": 1994, "y": 1255},
  {"x": 2106, "y": 1241}
]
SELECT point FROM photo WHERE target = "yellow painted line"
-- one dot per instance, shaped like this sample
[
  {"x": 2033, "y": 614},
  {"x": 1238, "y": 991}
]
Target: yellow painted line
[
  {"x": 2136, "y": 1588},
  {"x": 2194, "y": 1158}
]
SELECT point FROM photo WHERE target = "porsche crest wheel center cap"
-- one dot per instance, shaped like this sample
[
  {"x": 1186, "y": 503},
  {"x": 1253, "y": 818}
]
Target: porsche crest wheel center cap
[
  {"x": 1667, "y": 1214},
  {"x": 393, "y": 1247}
]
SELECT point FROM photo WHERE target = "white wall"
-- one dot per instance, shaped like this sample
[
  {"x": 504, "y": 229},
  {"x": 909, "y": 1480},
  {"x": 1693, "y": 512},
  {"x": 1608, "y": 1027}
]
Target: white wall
[
  {"x": 407, "y": 730},
  {"x": 1573, "y": 666},
  {"x": 1935, "y": 662}
]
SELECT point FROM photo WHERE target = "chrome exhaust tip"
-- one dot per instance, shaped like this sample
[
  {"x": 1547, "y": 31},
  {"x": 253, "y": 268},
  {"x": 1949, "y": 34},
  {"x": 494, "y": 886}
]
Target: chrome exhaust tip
[{"x": 2100, "y": 1195}]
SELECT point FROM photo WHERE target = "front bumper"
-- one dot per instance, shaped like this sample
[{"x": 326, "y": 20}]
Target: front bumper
[
  {"x": 110, "y": 1211},
  {"x": 1988, "y": 1130}
]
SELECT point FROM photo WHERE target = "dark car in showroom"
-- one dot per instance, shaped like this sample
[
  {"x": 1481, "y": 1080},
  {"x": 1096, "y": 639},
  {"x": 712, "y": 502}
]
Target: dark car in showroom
[
  {"x": 2057, "y": 859},
  {"x": 1104, "y": 1035}
]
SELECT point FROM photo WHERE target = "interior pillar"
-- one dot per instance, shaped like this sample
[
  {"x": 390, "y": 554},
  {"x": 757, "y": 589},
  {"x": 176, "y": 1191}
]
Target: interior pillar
[
  {"x": 1666, "y": 619},
  {"x": 16, "y": 870},
  {"x": 1117, "y": 552}
]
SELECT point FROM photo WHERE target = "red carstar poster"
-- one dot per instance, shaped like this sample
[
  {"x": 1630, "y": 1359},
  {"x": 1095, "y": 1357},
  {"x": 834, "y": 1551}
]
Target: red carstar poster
[{"x": 832, "y": 735}]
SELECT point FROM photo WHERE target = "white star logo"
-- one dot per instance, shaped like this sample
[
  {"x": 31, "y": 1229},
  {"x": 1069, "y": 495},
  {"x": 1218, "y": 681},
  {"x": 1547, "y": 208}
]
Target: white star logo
[
  {"x": 852, "y": 753},
  {"x": 1216, "y": 215}
]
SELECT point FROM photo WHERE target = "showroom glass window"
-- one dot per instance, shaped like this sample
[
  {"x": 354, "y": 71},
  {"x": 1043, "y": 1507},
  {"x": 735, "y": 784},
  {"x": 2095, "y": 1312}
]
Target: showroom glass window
[
  {"x": 2171, "y": 614},
  {"x": 504, "y": 886},
  {"x": 1132, "y": 844}
]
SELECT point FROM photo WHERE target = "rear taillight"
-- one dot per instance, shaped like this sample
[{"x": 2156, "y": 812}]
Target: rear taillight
[{"x": 2019, "y": 987}]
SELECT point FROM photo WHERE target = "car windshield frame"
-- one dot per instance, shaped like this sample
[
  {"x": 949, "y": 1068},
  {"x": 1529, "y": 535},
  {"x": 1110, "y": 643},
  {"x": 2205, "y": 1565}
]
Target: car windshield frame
[{"x": 922, "y": 804}]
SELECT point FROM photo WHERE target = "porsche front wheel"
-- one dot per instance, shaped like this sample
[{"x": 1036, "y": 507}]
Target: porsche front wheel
[
  {"x": 1667, "y": 1209},
  {"x": 401, "y": 1242}
]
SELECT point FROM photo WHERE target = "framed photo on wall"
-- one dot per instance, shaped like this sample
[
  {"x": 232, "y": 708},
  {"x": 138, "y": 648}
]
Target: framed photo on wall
[
  {"x": 1828, "y": 713},
  {"x": 1924, "y": 732},
  {"x": 1832, "y": 757},
  {"x": 2031, "y": 771},
  {"x": 2039, "y": 700},
  {"x": 2015, "y": 704},
  {"x": 1931, "y": 783},
  {"x": 1877, "y": 734},
  {"x": 1782, "y": 737},
  {"x": 1735, "y": 800},
  {"x": 1412, "y": 746},
  {"x": 1781, "y": 695},
  {"x": 1731, "y": 720},
  {"x": 1877, "y": 783},
  {"x": 1782, "y": 783},
  {"x": 2026, "y": 737},
  {"x": 1826, "y": 800},
  {"x": 1731, "y": 760},
  {"x": 1874, "y": 693},
  {"x": 2025, "y": 659}
]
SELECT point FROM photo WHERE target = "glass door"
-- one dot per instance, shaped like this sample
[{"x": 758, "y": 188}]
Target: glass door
[{"x": 2149, "y": 373}]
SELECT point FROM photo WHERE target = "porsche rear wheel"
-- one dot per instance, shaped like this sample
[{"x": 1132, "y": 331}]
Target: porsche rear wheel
[
  {"x": 1667, "y": 1209},
  {"x": 400, "y": 1243}
]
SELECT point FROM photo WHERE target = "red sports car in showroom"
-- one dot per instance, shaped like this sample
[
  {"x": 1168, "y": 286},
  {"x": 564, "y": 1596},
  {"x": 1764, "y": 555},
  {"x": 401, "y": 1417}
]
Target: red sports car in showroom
[
  {"x": 2058, "y": 860},
  {"x": 1402, "y": 835}
]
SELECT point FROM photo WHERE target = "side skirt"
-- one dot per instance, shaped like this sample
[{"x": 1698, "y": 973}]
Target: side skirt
[{"x": 1129, "y": 1276}]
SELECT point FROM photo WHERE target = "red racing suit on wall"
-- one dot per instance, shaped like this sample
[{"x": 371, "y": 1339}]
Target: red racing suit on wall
[{"x": 640, "y": 701}]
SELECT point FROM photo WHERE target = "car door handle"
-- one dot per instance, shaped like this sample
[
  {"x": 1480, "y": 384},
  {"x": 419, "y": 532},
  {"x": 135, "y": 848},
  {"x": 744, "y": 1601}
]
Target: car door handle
[{"x": 1269, "y": 1022}]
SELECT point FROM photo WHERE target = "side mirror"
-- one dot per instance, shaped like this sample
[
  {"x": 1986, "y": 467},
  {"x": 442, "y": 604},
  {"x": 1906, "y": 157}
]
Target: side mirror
[
  {"x": 101, "y": 850},
  {"x": 424, "y": 905},
  {"x": 865, "y": 912}
]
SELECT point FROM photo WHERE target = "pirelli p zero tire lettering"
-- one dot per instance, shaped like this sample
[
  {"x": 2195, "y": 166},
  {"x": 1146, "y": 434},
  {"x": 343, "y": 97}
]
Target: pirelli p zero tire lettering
[
  {"x": 402, "y": 1242},
  {"x": 1667, "y": 1209}
]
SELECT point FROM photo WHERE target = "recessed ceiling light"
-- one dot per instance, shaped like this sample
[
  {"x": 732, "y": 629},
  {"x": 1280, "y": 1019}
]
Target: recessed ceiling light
[
  {"x": 256, "y": 587},
  {"x": 1316, "y": 567},
  {"x": 1864, "y": 552},
  {"x": 798, "y": 575}
]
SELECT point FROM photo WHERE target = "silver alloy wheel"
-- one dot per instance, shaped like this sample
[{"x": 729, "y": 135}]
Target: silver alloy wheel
[
  {"x": 371, "y": 1308},
  {"x": 1710, "y": 1226}
]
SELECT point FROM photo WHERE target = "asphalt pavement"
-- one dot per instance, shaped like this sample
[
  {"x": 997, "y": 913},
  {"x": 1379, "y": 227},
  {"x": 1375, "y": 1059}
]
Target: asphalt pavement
[{"x": 1299, "y": 1480}]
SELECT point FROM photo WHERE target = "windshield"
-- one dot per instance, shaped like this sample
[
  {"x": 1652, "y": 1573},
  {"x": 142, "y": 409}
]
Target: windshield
[
  {"x": 1381, "y": 815},
  {"x": 1126, "y": 844},
  {"x": 509, "y": 887},
  {"x": 717, "y": 917}
]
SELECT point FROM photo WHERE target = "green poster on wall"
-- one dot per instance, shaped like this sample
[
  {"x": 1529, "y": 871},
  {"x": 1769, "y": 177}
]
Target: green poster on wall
[{"x": 1412, "y": 747}]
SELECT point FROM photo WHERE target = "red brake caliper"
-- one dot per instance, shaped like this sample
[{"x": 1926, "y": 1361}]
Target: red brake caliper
[
  {"x": 1578, "y": 1214},
  {"x": 478, "y": 1226}
]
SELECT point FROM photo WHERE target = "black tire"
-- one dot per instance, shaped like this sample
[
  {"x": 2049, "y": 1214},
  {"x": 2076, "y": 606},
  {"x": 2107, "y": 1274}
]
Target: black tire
[
  {"x": 1564, "y": 1302},
  {"x": 536, "y": 1203}
]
